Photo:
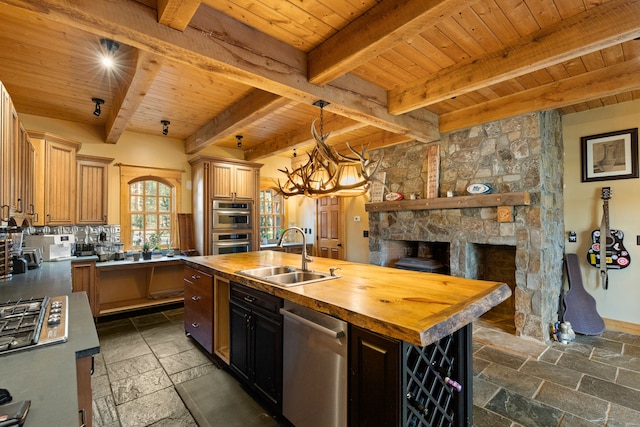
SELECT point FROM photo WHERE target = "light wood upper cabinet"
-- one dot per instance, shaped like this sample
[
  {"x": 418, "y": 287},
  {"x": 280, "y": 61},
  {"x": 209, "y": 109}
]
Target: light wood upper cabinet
[
  {"x": 214, "y": 178},
  {"x": 56, "y": 179},
  {"x": 6, "y": 148},
  {"x": 233, "y": 181},
  {"x": 92, "y": 186},
  {"x": 17, "y": 163}
]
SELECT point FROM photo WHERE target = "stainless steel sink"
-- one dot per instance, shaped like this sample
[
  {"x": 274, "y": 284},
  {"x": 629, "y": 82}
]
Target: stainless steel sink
[
  {"x": 262, "y": 272},
  {"x": 298, "y": 277},
  {"x": 283, "y": 275}
]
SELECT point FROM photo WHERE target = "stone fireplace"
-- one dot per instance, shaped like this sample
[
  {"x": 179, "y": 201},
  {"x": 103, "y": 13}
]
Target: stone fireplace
[{"x": 520, "y": 154}]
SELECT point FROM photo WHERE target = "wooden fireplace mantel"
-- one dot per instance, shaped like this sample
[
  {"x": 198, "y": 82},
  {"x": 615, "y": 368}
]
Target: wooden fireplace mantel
[{"x": 459, "y": 202}]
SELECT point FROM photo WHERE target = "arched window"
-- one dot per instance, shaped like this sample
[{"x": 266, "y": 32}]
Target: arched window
[
  {"x": 150, "y": 213},
  {"x": 148, "y": 206}
]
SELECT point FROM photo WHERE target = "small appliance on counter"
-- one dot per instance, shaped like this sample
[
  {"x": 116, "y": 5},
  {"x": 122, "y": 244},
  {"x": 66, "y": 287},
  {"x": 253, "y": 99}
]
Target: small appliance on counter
[
  {"x": 85, "y": 249},
  {"x": 118, "y": 254},
  {"x": 19, "y": 264},
  {"x": 33, "y": 257},
  {"x": 54, "y": 247}
]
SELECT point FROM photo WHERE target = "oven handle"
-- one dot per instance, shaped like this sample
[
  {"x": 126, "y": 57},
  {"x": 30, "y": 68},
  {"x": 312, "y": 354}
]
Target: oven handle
[
  {"x": 226, "y": 212},
  {"x": 234, "y": 243}
]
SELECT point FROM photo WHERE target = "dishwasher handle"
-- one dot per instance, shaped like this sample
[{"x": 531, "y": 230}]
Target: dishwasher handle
[{"x": 331, "y": 332}]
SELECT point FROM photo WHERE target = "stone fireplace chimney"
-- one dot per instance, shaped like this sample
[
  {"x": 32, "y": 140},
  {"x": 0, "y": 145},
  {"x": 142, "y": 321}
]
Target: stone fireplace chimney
[{"x": 520, "y": 154}]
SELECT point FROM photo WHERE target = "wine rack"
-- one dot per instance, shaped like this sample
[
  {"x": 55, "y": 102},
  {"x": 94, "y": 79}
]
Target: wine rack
[{"x": 437, "y": 382}]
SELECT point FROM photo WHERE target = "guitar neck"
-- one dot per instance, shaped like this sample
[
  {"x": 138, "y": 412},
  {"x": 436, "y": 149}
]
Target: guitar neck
[{"x": 605, "y": 215}]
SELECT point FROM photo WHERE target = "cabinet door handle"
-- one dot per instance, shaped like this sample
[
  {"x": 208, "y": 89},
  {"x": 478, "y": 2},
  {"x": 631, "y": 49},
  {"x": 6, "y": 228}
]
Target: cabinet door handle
[
  {"x": 196, "y": 298},
  {"x": 195, "y": 324},
  {"x": 195, "y": 277},
  {"x": 83, "y": 417},
  {"x": 249, "y": 299}
]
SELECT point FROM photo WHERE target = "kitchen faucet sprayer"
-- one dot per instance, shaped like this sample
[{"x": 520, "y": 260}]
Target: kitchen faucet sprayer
[{"x": 305, "y": 257}]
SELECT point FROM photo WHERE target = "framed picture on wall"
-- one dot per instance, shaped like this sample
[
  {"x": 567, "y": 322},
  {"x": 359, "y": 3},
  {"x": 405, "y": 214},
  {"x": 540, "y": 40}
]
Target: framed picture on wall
[{"x": 612, "y": 155}]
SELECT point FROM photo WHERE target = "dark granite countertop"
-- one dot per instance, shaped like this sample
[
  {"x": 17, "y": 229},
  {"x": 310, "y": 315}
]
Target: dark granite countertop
[{"x": 47, "y": 375}]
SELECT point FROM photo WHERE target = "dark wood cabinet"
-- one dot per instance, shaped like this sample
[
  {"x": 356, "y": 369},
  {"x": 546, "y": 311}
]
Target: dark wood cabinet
[
  {"x": 198, "y": 306},
  {"x": 374, "y": 379},
  {"x": 256, "y": 342},
  {"x": 84, "y": 370}
]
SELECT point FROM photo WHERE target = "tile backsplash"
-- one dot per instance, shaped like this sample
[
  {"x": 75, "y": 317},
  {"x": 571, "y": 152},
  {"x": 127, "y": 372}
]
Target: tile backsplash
[{"x": 82, "y": 233}]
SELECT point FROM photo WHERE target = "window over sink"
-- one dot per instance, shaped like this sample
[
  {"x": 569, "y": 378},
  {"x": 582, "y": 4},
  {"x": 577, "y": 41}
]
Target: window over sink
[{"x": 148, "y": 201}]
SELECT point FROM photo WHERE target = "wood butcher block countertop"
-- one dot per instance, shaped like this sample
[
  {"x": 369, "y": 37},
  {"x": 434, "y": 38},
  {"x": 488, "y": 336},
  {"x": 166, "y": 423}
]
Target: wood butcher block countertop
[{"x": 418, "y": 308}]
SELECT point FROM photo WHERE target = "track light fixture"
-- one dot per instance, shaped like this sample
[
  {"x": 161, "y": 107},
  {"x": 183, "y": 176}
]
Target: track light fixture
[
  {"x": 165, "y": 126},
  {"x": 109, "y": 48},
  {"x": 239, "y": 139},
  {"x": 98, "y": 102}
]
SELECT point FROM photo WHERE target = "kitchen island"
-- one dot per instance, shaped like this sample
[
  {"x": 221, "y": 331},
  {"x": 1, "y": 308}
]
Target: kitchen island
[
  {"x": 418, "y": 308},
  {"x": 413, "y": 328}
]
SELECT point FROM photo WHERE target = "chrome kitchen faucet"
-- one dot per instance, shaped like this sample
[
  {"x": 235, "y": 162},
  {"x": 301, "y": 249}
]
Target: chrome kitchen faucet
[{"x": 305, "y": 257}]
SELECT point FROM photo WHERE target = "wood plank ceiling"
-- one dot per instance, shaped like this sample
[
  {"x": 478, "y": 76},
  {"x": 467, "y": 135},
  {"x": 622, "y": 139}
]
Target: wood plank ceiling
[{"x": 392, "y": 70}]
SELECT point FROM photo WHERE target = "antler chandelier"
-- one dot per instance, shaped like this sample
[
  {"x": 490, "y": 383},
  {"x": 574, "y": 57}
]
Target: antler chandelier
[{"x": 327, "y": 172}]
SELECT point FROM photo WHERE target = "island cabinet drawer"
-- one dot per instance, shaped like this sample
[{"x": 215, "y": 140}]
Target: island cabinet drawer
[
  {"x": 253, "y": 298},
  {"x": 198, "y": 307},
  {"x": 197, "y": 277}
]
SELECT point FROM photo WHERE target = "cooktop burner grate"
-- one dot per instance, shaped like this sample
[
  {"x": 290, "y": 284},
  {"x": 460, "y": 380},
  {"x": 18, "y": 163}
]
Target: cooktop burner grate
[{"x": 26, "y": 324}]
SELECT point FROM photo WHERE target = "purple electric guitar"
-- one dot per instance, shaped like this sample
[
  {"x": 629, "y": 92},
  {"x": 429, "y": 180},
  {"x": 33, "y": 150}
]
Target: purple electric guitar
[{"x": 614, "y": 252}]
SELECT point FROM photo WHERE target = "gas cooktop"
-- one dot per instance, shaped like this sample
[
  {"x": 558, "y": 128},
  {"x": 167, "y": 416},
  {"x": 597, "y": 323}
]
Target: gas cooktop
[{"x": 32, "y": 323}]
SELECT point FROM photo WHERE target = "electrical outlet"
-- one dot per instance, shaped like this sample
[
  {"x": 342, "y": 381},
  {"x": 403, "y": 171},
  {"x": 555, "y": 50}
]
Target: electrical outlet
[{"x": 365, "y": 233}]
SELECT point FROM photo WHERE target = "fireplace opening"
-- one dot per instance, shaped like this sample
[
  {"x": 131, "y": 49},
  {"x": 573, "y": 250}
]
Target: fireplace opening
[
  {"x": 412, "y": 255},
  {"x": 495, "y": 263}
]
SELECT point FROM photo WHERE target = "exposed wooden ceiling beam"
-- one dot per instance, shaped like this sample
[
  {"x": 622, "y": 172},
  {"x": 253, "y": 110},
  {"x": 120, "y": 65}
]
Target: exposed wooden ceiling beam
[
  {"x": 252, "y": 107},
  {"x": 130, "y": 96},
  {"x": 177, "y": 13},
  {"x": 606, "y": 25},
  {"x": 382, "y": 27},
  {"x": 221, "y": 45},
  {"x": 596, "y": 84},
  {"x": 370, "y": 142},
  {"x": 290, "y": 140}
]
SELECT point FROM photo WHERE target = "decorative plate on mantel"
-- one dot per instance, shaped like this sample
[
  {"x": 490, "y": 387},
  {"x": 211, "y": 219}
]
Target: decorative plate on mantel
[
  {"x": 392, "y": 197},
  {"x": 479, "y": 188}
]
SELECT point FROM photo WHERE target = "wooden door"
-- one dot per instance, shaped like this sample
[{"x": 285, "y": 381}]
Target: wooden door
[{"x": 330, "y": 227}]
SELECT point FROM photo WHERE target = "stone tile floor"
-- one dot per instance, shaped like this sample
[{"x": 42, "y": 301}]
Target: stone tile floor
[{"x": 594, "y": 381}]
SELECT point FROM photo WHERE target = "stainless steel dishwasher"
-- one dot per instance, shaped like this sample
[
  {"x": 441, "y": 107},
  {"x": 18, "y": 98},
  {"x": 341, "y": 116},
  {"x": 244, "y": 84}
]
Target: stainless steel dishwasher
[{"x": 314, "y": 386}]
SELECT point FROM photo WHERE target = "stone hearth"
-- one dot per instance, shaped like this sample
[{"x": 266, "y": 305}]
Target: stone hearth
[{"x": 523, "y": 153}]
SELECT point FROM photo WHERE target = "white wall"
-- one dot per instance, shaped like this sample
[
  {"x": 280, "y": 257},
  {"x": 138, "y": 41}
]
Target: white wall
[{"x": 583, "y": 210}]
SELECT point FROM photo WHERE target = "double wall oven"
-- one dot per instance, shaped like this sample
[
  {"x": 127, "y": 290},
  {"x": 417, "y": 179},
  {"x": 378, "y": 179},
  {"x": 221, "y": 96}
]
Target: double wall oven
[{"x": 232, "y": 225}]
